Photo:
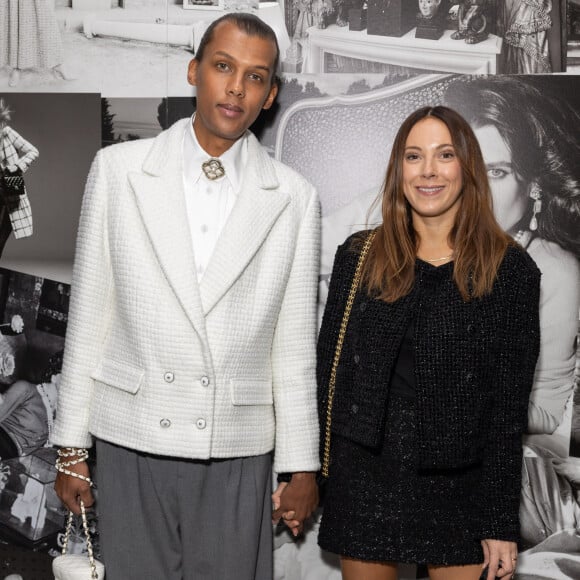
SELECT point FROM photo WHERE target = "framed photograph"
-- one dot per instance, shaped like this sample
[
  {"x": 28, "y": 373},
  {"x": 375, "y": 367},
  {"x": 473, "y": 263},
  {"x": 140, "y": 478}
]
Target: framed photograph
[
  {"x": 203, "y": 4},
  {"x": 574, "y": 21}
]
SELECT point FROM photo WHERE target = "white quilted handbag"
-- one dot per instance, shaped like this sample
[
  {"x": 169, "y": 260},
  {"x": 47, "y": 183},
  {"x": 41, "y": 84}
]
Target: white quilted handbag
[{"x": 77, "y": 566}]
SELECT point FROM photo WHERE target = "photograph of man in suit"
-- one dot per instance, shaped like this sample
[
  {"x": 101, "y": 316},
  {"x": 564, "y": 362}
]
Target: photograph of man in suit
[{"x": 190, "y": 348}]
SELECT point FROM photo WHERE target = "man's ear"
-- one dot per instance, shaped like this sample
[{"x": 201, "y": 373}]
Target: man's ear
[
  {"x": 271, "y": 96},
  {"x": 192, "y": 72}
]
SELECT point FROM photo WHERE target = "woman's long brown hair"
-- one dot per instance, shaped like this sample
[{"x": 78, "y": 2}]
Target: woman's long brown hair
[{"x": 477, "y": 240}]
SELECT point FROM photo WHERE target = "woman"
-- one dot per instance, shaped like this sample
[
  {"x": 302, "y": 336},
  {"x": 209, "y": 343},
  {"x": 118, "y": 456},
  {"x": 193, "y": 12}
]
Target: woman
[
  {"x": 531, "y": 149},
  {"x": 16, "y": 154},
  {"x": 30, "y": 38},
  {"x": 435, "y": 371}
]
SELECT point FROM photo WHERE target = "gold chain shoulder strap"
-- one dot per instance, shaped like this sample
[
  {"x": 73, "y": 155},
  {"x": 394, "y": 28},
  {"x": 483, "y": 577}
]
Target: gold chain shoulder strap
[
  {"x": 340, "y": 341},
  {"x": 67, "y": 534}
]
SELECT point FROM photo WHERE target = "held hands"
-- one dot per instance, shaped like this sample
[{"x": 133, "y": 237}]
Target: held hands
[
  {"x": 500, "y": 558},
  {"x": 294, "y": 502}
]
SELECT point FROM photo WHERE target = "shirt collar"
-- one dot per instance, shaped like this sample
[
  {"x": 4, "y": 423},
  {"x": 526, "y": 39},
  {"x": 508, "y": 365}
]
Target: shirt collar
[{"x": 233, "y": 160}]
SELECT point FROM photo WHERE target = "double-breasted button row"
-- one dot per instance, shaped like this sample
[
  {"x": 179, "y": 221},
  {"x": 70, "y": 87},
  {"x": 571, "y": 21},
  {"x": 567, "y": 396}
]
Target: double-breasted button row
[
  {"x": 200, "y": 423},
  {"x": 169, "y": 377}
]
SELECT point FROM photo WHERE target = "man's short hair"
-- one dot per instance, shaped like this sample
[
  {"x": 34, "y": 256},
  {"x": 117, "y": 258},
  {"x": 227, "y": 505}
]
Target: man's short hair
[{"x": 248, "y": 23}]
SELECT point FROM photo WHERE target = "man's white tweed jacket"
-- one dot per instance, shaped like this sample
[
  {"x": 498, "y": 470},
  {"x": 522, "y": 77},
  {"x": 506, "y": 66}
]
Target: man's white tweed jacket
[{"x": 154, "y": 361}]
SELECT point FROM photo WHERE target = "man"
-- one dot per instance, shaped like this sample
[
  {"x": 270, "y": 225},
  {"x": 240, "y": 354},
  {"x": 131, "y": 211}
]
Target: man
[{"x": 191, "y": 337}]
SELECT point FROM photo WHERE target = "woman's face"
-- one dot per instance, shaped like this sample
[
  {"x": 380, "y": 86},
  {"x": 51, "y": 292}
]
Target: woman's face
[
  {"x": 510, "y": 199},
  {"x": 432, "y": 174}
]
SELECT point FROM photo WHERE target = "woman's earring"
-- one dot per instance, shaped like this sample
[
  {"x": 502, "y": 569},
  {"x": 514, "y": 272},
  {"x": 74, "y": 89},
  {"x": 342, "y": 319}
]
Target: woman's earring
[{"x": 536, "y": 195}]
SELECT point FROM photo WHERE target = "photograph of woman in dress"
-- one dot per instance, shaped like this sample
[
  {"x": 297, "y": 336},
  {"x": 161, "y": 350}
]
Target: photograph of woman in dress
[
  {"x": 16, "y": 154},
  {"x": 27, "y": 410},
  {"x": 531, "y": 148},
  {"x": 30, "y": 38},
  {"x": 430, "y": 399}
]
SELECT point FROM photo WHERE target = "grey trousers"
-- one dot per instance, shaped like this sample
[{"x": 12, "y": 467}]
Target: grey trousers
[{"x": 162, "y": 518}]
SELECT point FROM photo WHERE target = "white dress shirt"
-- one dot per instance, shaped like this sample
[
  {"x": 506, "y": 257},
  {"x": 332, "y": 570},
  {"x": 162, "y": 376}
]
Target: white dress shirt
[{"x": 208, "y": 202}]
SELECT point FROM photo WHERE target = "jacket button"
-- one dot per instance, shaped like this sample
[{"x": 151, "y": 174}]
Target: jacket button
[
  {"x": 200, "y": 423},
  {"x": 168, "y": 377},
  {"x": 469, "y": 377},
  {"x": 204, "y": 381},
  {"x": 354, "y": 409},
  {"x": 470, "y": 327},
  {"x": 363, "y": 306},
  {"x": 165, "y": 423},
  {"x": 356, "y": 358}
]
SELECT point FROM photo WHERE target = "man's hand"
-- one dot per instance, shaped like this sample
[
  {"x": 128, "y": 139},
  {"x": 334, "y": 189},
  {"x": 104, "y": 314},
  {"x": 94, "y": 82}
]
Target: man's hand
[
  {"x": 294, "y": 502},
  {"x": 71, "y": 489}
]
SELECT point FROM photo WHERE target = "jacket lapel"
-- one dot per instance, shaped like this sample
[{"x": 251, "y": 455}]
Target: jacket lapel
[
  {"x": 257, "y": 208},
  {"x": 160, "y": 198}
]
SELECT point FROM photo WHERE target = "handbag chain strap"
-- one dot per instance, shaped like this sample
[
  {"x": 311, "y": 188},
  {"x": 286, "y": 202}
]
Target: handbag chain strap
[
  {"x": 340, "y": 341},
  {"x": 94, "y": 574}
]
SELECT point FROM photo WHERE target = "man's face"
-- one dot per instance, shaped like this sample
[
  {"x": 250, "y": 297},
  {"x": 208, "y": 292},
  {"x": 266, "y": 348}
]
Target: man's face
[
  {"x": 234, "y": 83},
  {"x": 428, "y": 8}
]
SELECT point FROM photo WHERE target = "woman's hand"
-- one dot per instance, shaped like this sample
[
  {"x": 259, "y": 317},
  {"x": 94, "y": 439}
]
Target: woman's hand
[{"x": 500, "y": 558}]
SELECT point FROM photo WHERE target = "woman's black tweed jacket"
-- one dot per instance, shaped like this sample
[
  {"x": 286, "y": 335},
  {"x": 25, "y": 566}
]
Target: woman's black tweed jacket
[{"x": 474, "y": 367}]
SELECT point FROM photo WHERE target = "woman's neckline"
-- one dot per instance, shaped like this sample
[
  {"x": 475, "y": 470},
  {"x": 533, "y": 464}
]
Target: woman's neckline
[{"x": 432, "y": 265}]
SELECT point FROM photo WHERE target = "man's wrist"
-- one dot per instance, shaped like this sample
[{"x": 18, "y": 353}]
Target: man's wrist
[{"x": 286, "y": 477}]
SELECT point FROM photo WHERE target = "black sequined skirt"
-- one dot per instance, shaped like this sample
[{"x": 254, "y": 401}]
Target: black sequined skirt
[{"x": 379, "y": 507}]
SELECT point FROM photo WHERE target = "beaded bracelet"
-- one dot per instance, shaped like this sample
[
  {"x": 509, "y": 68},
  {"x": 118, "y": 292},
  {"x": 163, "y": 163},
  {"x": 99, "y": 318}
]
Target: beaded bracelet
[{"x": 79, "y": 455}]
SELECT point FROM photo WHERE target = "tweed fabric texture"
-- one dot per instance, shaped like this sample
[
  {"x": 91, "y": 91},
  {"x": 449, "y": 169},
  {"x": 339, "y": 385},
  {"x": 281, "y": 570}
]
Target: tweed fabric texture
[
  {"x": 29, "y": 35},
  {"x": 155, "y": 361},
  {"x": 16, "y": 151},
  {"x": 396, "y": 513},
  {"x": 474, "y": 367}
]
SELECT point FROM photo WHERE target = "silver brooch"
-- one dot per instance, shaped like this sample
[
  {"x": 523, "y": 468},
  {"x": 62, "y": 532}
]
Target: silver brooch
[{"x": 213, "y": 169}]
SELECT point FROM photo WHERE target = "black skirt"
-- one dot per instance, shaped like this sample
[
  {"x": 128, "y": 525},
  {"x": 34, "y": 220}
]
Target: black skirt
[{"x": 379, "y": 507}]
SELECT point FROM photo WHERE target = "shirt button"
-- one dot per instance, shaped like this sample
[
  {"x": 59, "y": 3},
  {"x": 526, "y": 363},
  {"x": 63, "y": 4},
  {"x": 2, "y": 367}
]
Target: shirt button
[
  {"x": 469, "y": 377},
  {"x": 204, "y": 381},
  {"x": 356, "y": 358},
  {"x": 168, "y": 377},
  {"x": 165, "y": 423},
  {"x": 200, "y": 423},
  {"x": 204, "y": 229},
  {"x": 354, "y": 409}
]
